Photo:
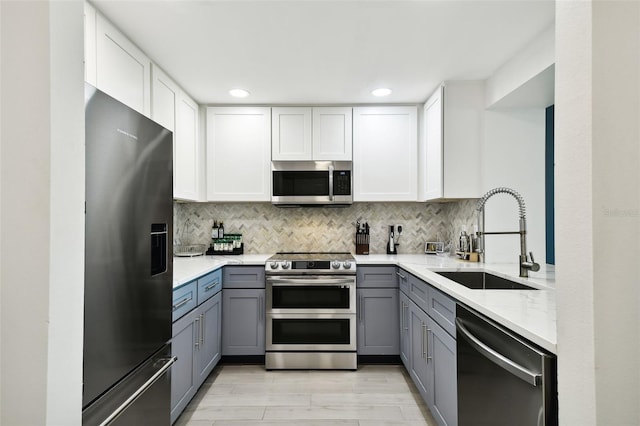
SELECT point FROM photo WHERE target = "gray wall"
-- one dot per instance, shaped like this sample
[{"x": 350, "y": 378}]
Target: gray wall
[{"x": 268, "y": 229}]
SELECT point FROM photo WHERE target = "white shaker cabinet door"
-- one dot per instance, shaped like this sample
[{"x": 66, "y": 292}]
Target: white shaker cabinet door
[
  {"x": 385, "y": 147},
  {"x": 332, "y": 133},
  {"x": 164, "y": 95},
  {"x": 291, "y": 134},
  {"x": 432, "y": 173},
  {"x": 122, "y": 70},
  {"x": 238, "y": 154},
  {"x": 186, "y": 170}
]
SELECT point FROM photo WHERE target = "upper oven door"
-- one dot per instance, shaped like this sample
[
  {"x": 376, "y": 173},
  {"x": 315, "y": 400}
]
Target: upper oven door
[
  {"x": 311, "y": 182},
  {"x": 311, "y": 294}
]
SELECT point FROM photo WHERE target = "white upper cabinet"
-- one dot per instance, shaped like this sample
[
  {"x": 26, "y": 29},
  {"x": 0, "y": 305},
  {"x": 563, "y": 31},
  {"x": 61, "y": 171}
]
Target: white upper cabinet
[
  {"x": 238, "y": 154},
  {"x": 332, "y": 133},
  {"x": 122, "y": 70},
  {"x": 164, "y": 96},
  {"x": 186, "y": 170},
  {"x": 291, "y": 134},
  {"x": 451, "y": 142},
  {"x": 175, "y": 110},
  {"x": 385, "y": 148},
  {"x": 319, "y": 133}
]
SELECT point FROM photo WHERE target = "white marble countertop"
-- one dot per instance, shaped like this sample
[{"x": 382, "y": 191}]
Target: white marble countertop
[
  {"x": 530, "y": 313},
  {"x": 186, "y": 269}
]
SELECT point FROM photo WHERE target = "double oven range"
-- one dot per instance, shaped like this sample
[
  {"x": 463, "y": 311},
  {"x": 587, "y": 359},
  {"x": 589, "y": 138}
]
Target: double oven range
[{"x": 311, "y": 311}]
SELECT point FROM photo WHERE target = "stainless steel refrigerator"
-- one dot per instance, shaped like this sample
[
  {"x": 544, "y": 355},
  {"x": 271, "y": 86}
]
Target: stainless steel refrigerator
[{"x": 128, "y": 266}]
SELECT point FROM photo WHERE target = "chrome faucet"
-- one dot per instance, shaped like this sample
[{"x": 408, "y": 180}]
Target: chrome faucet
[{"x": 525, "y": 264}]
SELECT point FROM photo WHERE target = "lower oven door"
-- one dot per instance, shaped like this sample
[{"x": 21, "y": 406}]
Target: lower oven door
[{"x": 311, "y": 332}]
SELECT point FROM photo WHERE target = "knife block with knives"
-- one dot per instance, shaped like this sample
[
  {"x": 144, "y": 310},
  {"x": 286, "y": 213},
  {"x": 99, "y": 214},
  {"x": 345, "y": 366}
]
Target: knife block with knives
[{"x": 362, "y": 238}]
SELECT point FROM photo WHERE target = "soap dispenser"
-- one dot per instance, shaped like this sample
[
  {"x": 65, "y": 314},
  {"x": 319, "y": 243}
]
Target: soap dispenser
[{"x": 391, "y": 245}]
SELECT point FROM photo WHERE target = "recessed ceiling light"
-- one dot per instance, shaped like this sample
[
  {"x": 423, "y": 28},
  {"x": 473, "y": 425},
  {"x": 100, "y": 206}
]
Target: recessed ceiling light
[
  {"x": 238, "y": 93},
  {"x": 381, "y": 92}
]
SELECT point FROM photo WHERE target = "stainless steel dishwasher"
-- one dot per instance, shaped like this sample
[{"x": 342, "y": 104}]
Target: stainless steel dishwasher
[{"x": 502, "y": 378}]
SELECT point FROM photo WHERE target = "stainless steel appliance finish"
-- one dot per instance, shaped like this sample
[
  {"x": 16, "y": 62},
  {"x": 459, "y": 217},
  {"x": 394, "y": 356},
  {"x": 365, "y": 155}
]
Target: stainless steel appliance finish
[
  {"x": 128, "y": 265},
  {"x": 311, "y": 311},
  {"x": 503, "y": 380},
  {"x": 311, "y": 183}
]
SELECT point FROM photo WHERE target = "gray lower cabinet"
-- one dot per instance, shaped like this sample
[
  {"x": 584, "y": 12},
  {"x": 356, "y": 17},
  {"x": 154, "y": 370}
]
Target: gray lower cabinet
[
  {"x": 433, "y": 365},
  {"x": 418, "y": 363},
  {"x": 243, "y": 321},
  {"x": 196, "y": 343},
  {"x": 377, "y": 332},
  {"x": 377, "y": 307},
  {"x": 405, "y": 334},
  {"x": 442, "y": 379}
]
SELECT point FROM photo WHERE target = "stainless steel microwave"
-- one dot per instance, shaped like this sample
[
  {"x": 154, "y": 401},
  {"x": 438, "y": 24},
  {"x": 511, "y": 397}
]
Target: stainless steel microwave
[{"x": 296, "y": 183}]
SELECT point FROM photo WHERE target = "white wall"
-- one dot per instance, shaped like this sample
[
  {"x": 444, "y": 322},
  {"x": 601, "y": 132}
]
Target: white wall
[
  {"x": 597, "y": 211},
  {"x": 513, "y": 156},
  {"x": 531, "y": 63},
  {"x": 41, "y": 227}
]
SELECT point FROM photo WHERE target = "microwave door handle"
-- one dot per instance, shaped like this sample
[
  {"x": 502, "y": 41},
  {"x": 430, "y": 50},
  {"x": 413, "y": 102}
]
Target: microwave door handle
[{"x": 331, "y": 182}]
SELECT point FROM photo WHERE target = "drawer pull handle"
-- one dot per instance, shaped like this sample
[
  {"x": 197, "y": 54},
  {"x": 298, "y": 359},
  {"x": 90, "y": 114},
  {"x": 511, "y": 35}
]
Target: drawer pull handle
[
  {"x": 401, "y": 276},
  {"x": 210, "y": 286},
  {"x": 182, "y": 303}
]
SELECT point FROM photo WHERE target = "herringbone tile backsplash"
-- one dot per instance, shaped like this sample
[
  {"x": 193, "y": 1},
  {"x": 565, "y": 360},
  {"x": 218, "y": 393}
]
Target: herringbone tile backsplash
[{"x": 269, "y": 229}]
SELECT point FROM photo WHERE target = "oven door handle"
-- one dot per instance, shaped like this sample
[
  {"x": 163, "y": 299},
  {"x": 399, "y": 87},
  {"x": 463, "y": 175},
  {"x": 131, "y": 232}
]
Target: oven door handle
[{"x": 288, "y": 282}]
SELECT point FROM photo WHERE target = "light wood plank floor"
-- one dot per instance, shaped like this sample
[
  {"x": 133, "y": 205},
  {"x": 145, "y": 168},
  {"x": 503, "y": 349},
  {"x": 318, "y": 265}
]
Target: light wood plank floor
[{"x": 375, "y": 395}]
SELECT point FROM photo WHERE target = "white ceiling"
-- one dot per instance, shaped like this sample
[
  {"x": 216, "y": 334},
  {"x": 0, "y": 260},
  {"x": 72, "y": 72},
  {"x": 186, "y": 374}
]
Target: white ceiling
[{"x": 327, "y": 52}]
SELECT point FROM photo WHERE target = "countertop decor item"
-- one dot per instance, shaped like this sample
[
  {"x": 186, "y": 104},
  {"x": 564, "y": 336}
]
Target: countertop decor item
[{"x": 189, "y": 250}]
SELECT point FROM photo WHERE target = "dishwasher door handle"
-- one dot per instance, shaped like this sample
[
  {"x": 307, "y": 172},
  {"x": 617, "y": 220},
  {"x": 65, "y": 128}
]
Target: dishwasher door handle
[{"x": 512, "y": 367}]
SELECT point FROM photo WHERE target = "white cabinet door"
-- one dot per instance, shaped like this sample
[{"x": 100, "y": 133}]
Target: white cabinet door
[
  {"x": 450, "y": 147},
  {"x": 164, "y": 95},
  {"x": 332, "y": 133},
  {"x": 291, "y": 134},
  {"x": 238, "y": 154},
  {"x": 89, "y": 44},
  {"x": 431, "y": 172},
  {"x": 385, "y": 147},
  {"x": 122, "y": 70},
  {"x": 176, "y": 111},
  {"x": 186, "y": 172}
]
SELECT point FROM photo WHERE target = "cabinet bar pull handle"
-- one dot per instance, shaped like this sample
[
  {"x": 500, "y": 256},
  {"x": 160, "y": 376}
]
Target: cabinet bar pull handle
[
  {"x": 197, "y": 339},
  {"x": 401, "y": 276},
  {"x": 201, "y": 330},
  {"x": 406, "y": 323},
  {"x": 182, "y": 303},
  {"x": 427, "y": 338},
  {"x": 210, "y": 286},
  {"x": 424, "y": 351},
  {"x": 401, "y": 317}
]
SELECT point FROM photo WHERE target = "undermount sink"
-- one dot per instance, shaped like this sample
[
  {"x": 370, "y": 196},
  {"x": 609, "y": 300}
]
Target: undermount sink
[{"x": 479, "y": 280}]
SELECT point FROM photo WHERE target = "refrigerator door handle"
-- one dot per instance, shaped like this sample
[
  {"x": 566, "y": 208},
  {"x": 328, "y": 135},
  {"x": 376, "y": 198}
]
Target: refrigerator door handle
[{"x": 139, "y": 392}]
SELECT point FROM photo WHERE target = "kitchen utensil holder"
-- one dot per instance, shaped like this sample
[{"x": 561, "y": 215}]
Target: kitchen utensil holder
[{"x": 362, "y": 243}]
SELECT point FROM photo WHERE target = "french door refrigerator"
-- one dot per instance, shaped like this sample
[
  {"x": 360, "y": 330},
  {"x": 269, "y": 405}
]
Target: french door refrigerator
[{"x": 128, "y": 266}]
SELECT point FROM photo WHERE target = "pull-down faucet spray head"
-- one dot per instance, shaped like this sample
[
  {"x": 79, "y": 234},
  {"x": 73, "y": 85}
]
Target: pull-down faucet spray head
[{"x": 525, "y": 264}]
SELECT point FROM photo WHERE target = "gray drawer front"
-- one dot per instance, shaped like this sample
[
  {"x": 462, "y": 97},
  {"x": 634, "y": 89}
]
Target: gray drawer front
[
  {"x": 243, "y": 277},
  {"x": 442, "y": 309},
  {"x": 403, "y": 280},
  {"x": 184, "y": 299},
  {"x": 209, "y": 285},
  {"x": 418, "y": 292},
  {"x": 376, "y": 277}
]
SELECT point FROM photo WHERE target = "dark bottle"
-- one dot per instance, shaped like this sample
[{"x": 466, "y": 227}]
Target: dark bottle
[{"x": 221, "y": 230}]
